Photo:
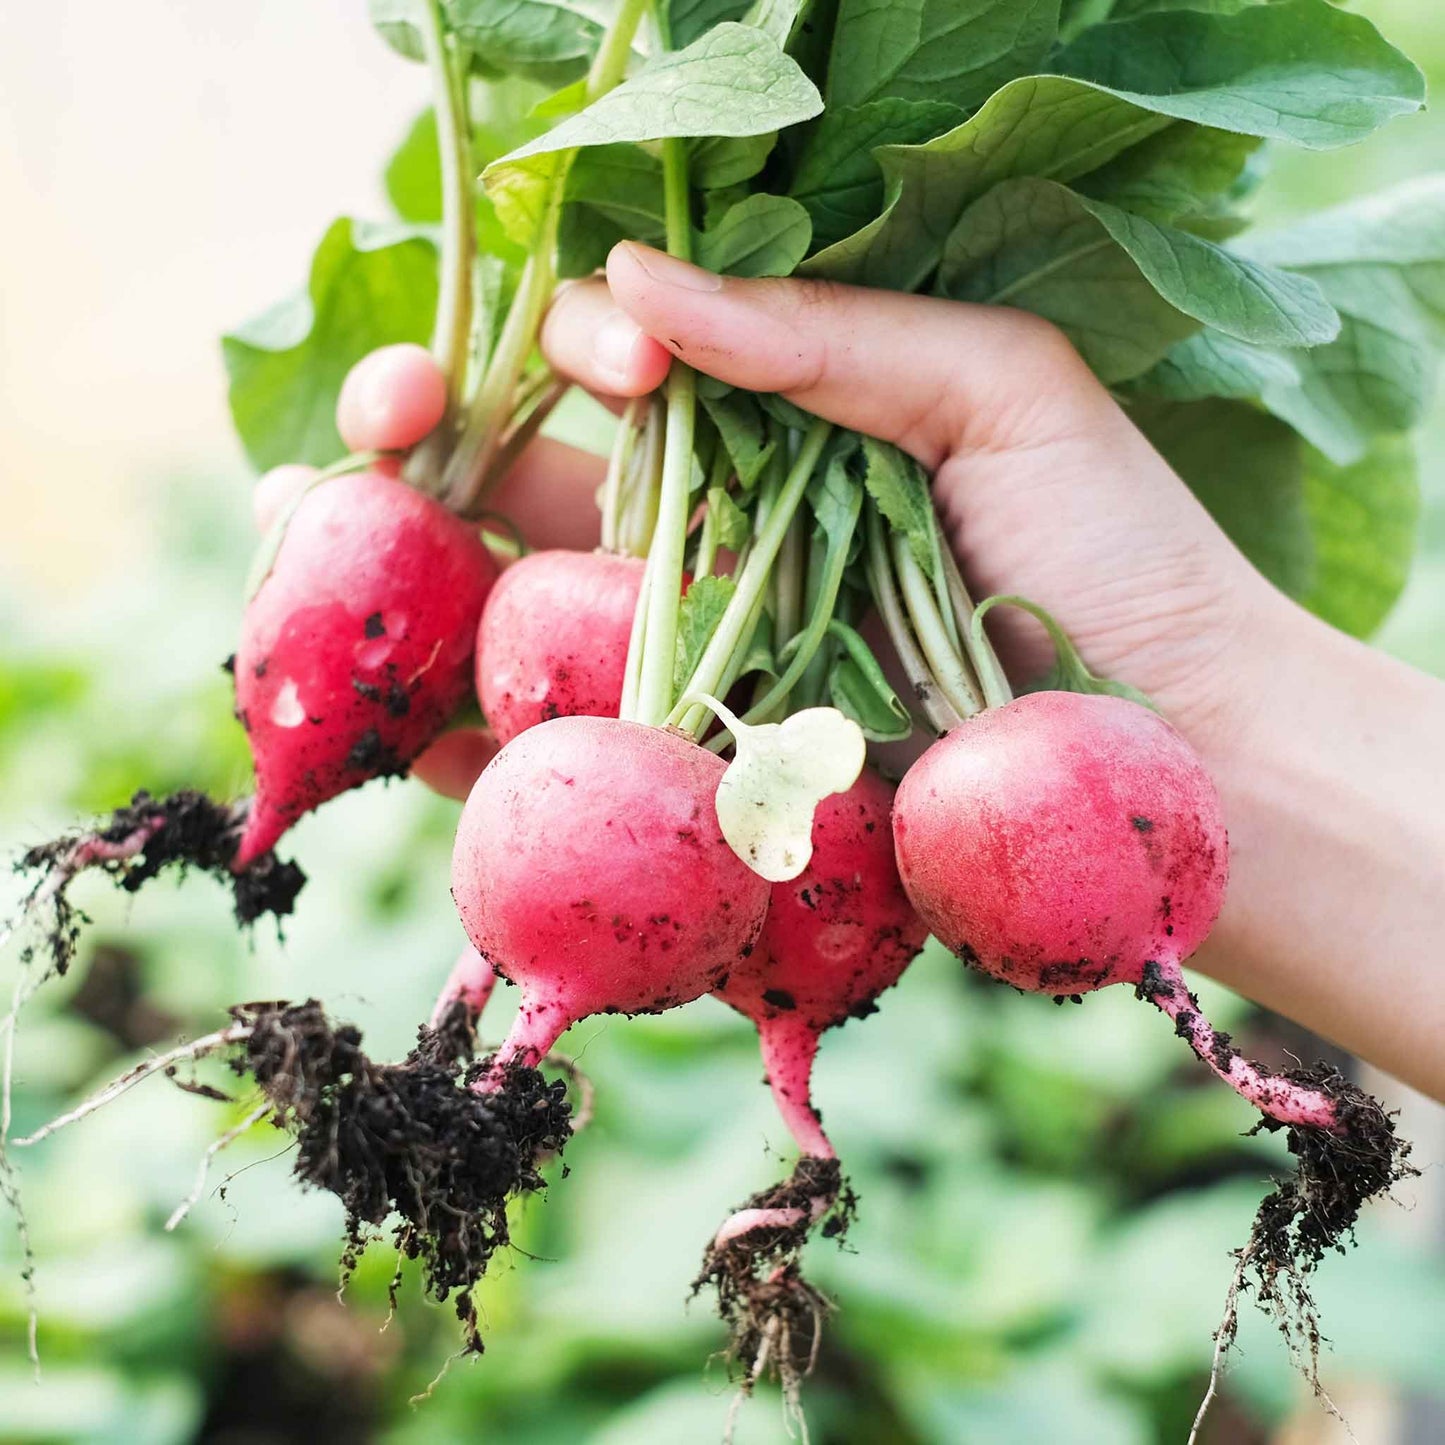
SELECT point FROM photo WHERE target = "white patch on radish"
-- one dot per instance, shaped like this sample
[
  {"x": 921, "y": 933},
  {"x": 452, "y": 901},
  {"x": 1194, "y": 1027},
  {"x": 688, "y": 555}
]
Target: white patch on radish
[
  {"x": 779, "y": 774},
  {"x": 286, "y": 711}
]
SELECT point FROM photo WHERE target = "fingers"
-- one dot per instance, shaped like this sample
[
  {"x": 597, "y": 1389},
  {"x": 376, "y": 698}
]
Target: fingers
[
  {"x": 935, "y": 377},
  {"x": 455, "y": 761},
  {"x": 551, "y": 496},
  {"x": 587, "y": 337},
  {"x": 391, "y": 399}
]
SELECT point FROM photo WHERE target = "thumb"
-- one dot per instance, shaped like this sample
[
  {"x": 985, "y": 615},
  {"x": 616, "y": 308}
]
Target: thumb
[{"x": 935, "y": 377}]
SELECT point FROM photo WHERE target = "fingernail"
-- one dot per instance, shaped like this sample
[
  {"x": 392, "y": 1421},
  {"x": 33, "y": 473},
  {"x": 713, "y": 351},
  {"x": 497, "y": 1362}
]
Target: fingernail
[
  {"x": 615, "y": 344},
  {"x": 669, "y": 271}
]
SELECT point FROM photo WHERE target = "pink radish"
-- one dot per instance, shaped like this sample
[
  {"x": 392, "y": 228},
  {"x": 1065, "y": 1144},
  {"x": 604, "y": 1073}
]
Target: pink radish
[
  {"x": 357, "y": 648},
  {"x": 553, "y": 639},
  {"x": 590, "y": 870},
  {"x": 836, "y": 937},
  {"x": 1064, "y": 842}
]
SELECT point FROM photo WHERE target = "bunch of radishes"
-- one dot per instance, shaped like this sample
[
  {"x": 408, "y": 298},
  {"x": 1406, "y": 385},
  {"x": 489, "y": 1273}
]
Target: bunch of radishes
[{"x": 680, "y": 804}]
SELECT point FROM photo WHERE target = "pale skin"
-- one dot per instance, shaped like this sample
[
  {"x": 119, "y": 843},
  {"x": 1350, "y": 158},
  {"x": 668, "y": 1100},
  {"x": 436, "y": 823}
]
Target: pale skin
[{"x": 1326, "y": 753}]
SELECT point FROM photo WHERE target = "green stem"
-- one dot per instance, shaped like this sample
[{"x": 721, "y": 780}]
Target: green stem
[
  {"x": 788, "y": 579},
  {"x": 609, "y": 65},
  {"x": 949, "y": 670},
  {"x": 810, "y": 689},
  {"x": 752, "y": 580},
  {"x": 810, "y": 640},
  {"x": 667, "y": 554},
  {"x": 609, "y": 502},
  {"x": 468, "y": 472},
  {"x": 926, "y": 691},
  {"x": 978, "y": 649}
]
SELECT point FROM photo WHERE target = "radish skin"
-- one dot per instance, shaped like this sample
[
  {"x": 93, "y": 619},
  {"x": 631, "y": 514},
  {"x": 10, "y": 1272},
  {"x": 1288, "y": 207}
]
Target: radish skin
[
  {"x": 357, "y": 648},
  {"x": 589, "y": 870},
  {"x": 553, "y": 639}
]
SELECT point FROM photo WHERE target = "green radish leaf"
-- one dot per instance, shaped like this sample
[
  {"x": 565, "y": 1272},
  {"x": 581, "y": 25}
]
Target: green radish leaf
[
  {"x": 1247, "y": 467},
  {"x": 703, "y": 605},
  {"x": 1209, "y": 364},
  {"x": 958, "y": 51},
  {"x": 777, "y": 19},
  {"x": 1179, "y": 172},
  {"x": 1069, "y": 673},
  {"x": 1298, "y": 70},
  {"x": 733, "y": 81},
  {"x": 762, "y": 235},
  {"x": 1039, "y": 125},
  {"x": 1364, "y": 519},
  {"x": 399, "y": 23},
  {"x": 779, "y": 774},
  {"x": 782, "y": 411},
  {"x": 552, "y": 41},
  {"x": 739, "y": 421},
  {"x": 899, "y": 489},
  {"x": 732, "y": 522},
  {"x": 836, "y": 175},
  {"x": 613, "y": 193},
  {"x": 718, "y": 161},
  {"x": 859, "y": 690},
  {"x": 1124, "y": 289},
  {"x": 413, "y": 181},
  {"x": 835, "y": 497},
  {"x": 369, "y": 286},
  {"x": 761, "y": 656},
  {"x": 1381, "y": 262},
  {"x": 689, "y": 20}
]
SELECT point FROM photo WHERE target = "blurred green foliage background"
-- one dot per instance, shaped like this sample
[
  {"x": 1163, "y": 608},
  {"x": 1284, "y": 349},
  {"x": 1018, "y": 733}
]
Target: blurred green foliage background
[{"x": 1049, "y": 1196}]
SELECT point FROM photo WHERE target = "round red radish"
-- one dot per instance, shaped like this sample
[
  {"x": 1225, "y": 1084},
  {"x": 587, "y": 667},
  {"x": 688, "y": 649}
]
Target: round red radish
[
  {"x": 836, "y": 937},
  {"x": 357, "y": 648},
  {"x": 1063, "y": 842},
  {"x": 590, "y": 870},
  {"x": 553, "y": 639}
]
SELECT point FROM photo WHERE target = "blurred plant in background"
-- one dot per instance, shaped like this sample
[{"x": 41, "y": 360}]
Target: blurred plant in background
[{"x": 1019, "y": 1189}]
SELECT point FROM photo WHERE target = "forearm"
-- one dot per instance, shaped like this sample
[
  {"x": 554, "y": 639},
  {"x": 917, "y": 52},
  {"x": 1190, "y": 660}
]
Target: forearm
[{"x": 1333, "y": 782}]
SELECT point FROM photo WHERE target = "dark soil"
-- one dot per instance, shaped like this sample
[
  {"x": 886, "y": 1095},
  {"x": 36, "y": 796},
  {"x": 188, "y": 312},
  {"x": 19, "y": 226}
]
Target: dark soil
[
  {"x": 762, "y": 1295},
  {"x": 186, "y": 830},
  {"x": 1314, "y": 1212},
  {"x": 408, "y": 1140}
]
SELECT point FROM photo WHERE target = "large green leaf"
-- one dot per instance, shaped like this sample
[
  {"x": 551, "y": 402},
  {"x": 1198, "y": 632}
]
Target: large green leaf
[
  {"x": 1299, "y": 70},
  {"x": 836, "y": 175},
  {"x": 761, "y": 235},
  {"x": 957, "y": 51},
  {"x": 1381, "y": 263},
  {"x": 548, "y": 40},
  {"x": 1364, "y": 518},
  {"x": 1247, "y": 468},
  {"x": 1178, "y": 174},
  {"x": 370, "y": 286},
  {"x": 689, "y": 19},
  {"x": 1125, "y": 289},
  {"x": 1273, "y": 75},
  {"x": 734, "y": 81}
]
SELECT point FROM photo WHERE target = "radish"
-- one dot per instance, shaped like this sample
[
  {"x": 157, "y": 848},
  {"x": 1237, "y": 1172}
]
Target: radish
[
  {"x": 590, "y": 870},
  {"x": 553, "y": 639},
  {"x": 836, "y": 937},
  {"x": 357, "y": 648},
  {"x": 1062, "y": 843}
]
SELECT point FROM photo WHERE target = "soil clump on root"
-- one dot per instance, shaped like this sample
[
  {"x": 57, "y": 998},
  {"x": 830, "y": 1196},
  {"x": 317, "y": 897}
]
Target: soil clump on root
[
  {"x": 408, "y": 1139},
  {"x": 140, "y": 840},
  {"x": 773, "y": 1314}
]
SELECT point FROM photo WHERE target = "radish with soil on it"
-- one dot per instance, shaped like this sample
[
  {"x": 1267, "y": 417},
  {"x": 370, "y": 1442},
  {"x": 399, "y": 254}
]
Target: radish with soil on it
[
  {"x": 836, "y": 937},
  {"x": 1064, "y": 841},
  {"x": 553, "y": 639}
]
